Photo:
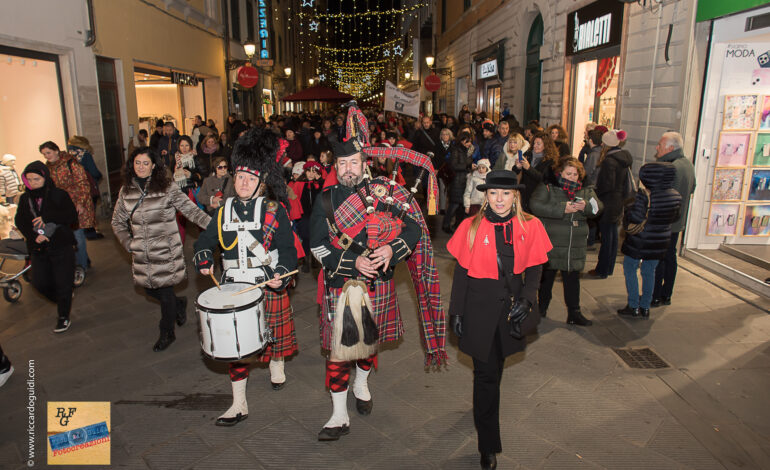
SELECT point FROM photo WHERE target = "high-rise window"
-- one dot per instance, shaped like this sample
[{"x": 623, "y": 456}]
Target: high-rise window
[
  {"x": 443, "y": 15},
  {"x": 250, "y": 21},
  {"x": 466, "y": 4},
  {"x": 235, "y": 20}
]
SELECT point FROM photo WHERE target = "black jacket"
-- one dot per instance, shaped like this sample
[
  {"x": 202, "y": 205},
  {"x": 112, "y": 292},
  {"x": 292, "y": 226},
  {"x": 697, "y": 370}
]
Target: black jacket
[
  {"x": 611, "y": 183},
  {"x": 420, "y": 141},
  {"x": 460, "y": 163},
  {"x": 57, "y": 208},
  {"x": 531, "y": 179},
  {"x": 665, "y": 203}
]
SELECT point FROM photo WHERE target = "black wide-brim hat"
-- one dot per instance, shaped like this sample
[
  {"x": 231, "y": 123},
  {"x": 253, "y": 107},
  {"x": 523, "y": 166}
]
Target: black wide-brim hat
[{"x": 500, "y": 179}]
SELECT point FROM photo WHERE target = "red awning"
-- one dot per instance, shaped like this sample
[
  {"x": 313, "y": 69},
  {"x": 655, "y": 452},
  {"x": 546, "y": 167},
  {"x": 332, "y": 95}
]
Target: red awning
[{"x": 318, "y": 93}]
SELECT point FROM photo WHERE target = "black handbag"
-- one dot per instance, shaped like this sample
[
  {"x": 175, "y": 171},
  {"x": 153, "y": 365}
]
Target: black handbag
[
  {"x": 131, "y": 215},
  {"x": 526, "y": 325}
]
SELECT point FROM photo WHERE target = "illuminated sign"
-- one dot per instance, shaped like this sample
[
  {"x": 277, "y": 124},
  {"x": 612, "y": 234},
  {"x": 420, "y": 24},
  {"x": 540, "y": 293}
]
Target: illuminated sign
[
  {"x": 264, "y": 29},
  {"x": 594, "y": 26},
  {"x": 184, "y": 79},
  {"x": 488, "y": 69}
]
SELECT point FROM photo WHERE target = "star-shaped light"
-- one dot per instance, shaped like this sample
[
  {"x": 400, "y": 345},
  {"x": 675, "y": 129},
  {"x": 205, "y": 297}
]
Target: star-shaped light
[
  {"x": 313, "y": 25},
  {"x": 398, "y": 50},
  {"x": 307, "y": 3},
  {"x": 386, "y": 53},
  {"x": 322, "y": 77}
]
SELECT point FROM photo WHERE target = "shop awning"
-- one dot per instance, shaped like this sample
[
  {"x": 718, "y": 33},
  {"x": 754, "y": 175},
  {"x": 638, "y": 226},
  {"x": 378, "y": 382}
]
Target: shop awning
[{"x": 318, "y": 93}]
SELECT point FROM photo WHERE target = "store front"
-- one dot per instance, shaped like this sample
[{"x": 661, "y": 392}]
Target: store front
[
  {"x": 593, "y": 42},
  {"x": 488, "y": 75},
  {"x": 31, "y": 104}
]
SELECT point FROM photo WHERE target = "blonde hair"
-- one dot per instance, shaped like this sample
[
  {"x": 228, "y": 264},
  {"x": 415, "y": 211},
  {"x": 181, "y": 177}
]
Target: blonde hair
[{"x": 520, "y": 215}]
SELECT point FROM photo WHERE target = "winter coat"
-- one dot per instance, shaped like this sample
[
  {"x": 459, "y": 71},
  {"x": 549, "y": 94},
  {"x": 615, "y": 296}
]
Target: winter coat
[
  {"x": 591, "y": 159},
  {"x": 315, "y": 147},
  {"x": 568, "y": 232},
  {"x": 542, "y": 173},
  {"x": 212, "y": 185},
  {"x": 425, "y": 140},
  {"x": 56, "y": 208},
  {"x": 460, "y": 163},
  {"x": 658, "y": 179},
  {"x": 69, "y": 175},
  {"x": 157, "y": 259},
  {"x": 684, "y": 183},
  {"x": 204, "y": 159},
  {"x": 507, "y": 160},
  {"x": 611, "y": 183},
  {"x": 9, "y": 181},
  {"x": 169, "y": 144},
  {"x": 192, "y": 165},
  {"x": 473, "y": 196},
  {"x": 294, "y": 151}
]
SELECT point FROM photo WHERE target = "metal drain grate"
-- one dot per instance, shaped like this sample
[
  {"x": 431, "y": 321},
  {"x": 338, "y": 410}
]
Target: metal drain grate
[{"x": 642, "y": 358}]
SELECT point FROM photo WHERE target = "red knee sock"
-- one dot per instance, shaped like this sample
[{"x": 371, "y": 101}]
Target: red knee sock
[
  {"x": 337, "y": 375},
  {"x": 238, "y": 372},
  {"x": 368, "y": 363}
]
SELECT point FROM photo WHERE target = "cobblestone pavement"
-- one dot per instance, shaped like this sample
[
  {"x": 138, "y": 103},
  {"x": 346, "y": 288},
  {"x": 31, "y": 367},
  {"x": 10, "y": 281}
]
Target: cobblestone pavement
[{"x": 568, "y": 401}]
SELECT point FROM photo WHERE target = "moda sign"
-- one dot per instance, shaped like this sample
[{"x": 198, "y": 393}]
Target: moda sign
[{"x": 594, "y": 26}]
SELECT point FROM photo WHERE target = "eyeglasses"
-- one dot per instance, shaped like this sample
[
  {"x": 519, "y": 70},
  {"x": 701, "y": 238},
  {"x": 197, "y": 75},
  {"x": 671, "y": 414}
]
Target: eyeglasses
[{"x": 222, "y": 167}]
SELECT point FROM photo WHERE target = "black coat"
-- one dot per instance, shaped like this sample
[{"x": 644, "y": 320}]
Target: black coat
[
  {"x": 611, "y": 183},
  {"x": 421, "y": 141},
  {"x": 531, "y": 179},
  {"x": 665, "y": 203},
  {"x": 460, "y": 162},
  {"x": 315, "y": 147},
  {"x": 57, "y": 208},
  {"x": 484, "y": 305}
]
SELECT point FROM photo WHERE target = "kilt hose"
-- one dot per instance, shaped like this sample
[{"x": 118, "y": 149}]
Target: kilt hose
[{"x": 386, "y": 313}]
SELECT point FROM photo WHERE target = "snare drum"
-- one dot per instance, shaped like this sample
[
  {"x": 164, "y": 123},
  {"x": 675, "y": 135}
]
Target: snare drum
[{"x": 232, "y": 327}]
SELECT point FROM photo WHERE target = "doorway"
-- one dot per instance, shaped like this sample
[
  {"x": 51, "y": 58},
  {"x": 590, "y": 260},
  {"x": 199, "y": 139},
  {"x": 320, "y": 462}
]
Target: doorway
[
  {"x": 110, "y": 113},
  {"x": 595, "y": 95},
  {"x": 533, "y": 72}
]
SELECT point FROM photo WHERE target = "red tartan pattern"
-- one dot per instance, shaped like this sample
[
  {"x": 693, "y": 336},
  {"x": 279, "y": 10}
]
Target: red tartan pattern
[
  {"x": 386, "y": 313},
  {"x": 279, "y": 317}
]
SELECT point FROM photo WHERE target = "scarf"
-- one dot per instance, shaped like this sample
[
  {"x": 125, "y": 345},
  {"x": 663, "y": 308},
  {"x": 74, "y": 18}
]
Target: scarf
[
  {"x": 210, "y": 150},
  {"x": 570, "y": 187},
  {"x": 501, "y": 221},
  {"x": 186, "y": 160}
]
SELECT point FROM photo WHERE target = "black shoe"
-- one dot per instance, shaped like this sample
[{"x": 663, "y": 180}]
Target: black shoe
[
  {"x": 629, "y": 311},
  {"x": 364, "y": 407},
  {"x": 575, "y": 317},
  {"x": 62, "y": 325},
  {"x": 277, "y": 386},
  {"x": 231, "y": 421},
  {"x": 181, "y": 310},
  {"x": 333, "y": 434},
  {"x": 488, "y": 460},
  {"x": 644, "y": 312},
  {"x": 165, "y": 340},
  {"x": 656, "y": 303},
  {"x": 593, "y": 273}
]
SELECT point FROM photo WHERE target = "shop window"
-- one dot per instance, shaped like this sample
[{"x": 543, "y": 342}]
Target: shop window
[{"x": 596, "y": 95}]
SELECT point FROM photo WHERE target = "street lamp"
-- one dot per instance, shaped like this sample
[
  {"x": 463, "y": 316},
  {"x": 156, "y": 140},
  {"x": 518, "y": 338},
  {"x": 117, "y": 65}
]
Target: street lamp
[
  {"x": 407, "y": 75},
  {"x": 430, "y": 60},
  {"x": 250, "y": 49},
  {"x": 311, "y": 81},
  {"x": 287, "y": 71}
]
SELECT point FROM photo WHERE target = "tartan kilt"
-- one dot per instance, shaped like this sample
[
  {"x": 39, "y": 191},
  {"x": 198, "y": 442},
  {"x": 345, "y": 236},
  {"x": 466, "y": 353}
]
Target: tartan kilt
[
  {"x": 386, "y": 313},
  {"x": 279, "y": 317}
]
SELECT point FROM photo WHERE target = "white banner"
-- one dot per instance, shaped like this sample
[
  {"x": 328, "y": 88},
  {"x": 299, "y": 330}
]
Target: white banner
[{"x": 401, "y": 101}]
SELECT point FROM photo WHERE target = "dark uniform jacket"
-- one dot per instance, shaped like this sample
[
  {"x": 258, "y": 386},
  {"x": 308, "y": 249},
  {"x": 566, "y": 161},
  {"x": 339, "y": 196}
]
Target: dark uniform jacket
[{"x": 340, "y": 265}]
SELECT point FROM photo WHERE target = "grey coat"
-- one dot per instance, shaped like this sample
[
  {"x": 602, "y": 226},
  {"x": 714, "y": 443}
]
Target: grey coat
[{"x": 684, "y": 183}]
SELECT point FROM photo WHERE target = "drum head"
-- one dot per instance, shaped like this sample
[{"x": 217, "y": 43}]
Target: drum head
[{"x": 216, "y": 299}]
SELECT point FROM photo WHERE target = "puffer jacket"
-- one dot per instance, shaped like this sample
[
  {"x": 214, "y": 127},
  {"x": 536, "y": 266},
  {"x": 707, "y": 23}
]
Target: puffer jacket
[
  {"x": 157, "y": 259},
  {"x": 665, "y": 203},
  {"x": 611, "y": 182},
  {"x": 568, "y": 232},
  {"x": 472, "y": 195}
]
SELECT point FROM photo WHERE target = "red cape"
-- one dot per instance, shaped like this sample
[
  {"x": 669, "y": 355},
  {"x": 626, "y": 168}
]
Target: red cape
[{"x": 530, "y": 246}]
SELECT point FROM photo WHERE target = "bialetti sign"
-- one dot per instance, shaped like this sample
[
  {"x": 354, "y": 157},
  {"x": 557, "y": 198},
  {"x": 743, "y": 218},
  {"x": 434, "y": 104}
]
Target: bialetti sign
[
  {"x": 488, "y": 69},
  {"x": 594, "y": 26},
  {"x": 264, "y": 29}
]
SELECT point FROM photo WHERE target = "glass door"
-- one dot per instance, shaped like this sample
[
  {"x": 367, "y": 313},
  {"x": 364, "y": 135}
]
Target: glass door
[
  {"x": 595, "y": 95},
  {"x": 493, "y": 103}
]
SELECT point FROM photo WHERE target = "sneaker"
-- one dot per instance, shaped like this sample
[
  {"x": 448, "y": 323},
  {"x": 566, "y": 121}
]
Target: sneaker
[
  {"x": 4, "y": 376},
  {"x": 62, "y": 325}
]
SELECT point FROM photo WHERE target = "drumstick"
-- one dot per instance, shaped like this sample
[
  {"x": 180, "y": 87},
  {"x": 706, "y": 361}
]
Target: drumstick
[
  {"x": 211, "y": 273},
  {"x": 264, "y": 283}
]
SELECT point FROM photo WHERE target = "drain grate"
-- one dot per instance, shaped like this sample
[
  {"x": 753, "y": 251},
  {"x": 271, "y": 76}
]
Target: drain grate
[{"x": 641, "y": 358}]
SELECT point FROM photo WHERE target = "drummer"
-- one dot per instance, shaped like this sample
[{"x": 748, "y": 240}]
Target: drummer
[{"x": 257, "y": 244}]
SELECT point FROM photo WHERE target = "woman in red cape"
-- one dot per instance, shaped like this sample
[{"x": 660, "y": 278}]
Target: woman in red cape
[{"x": 500, "y": 253}]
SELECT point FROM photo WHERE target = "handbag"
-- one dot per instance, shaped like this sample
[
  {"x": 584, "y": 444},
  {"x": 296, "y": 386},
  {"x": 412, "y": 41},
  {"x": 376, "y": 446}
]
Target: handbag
[
  {"x": 635, "y": 229},
  {"x": 131, "y": 215}
]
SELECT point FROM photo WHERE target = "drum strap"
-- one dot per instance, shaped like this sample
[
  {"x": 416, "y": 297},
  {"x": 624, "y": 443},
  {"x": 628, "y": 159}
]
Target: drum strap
[{"x": 245, "y": 240}]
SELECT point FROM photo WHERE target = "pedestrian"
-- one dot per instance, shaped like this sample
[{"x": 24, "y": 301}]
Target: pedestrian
[
  {"x": 10, "y": 183},
  {"x": 318, "y": 143},
  {"x": 594, "y": 143},
  {"x": 586, "y": 147},
  {"x": 614, "y": 172},
  {"x": 670, "y": 148},
  {"x": 69, "y": 175},
  {"x": 500, "y": 253},
  {"x": 216, "y": 187},
  {"x": 188, "y": 170},
  {"x": 426, "y": 137},
  {"x": 460, "y": 161},
  {"x": 156, "y": 135},
  {"x": 44, "y": 216},
  {"x": 139, "y": 140},
  {"x": 294, "y": 152},
  {"x": 208, "y": 150},
  {"x": 647, "y": 224},
  {"x": 536, "y": 166},
  {"x": 6, "y": 369},
  {"x": 167, "y": 146},
  {"x": 564, "y": 208},
  {"x": 200, "y": 130},
  {"x": 473, "y": 198},
  {"x": 225, "y": 146},
  {"x": 144, "y": 222},
  {"x": 262, "y": 252},
  {"x": 512, "y": 153},
  {"x": 212, "y": 125},
  {"x": 489, "y": 144},
  {"x": 358, "y": 266},
  {"x": 561, "y": 139},
  {"x": 310, "y": 188}
]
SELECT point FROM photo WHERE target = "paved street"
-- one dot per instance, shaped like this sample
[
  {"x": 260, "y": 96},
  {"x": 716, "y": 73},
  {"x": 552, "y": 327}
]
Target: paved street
[{"x": 568, "y": 402}]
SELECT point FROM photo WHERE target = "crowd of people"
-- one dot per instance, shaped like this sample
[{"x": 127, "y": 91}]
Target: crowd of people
[{"x": 327, "y": 190}]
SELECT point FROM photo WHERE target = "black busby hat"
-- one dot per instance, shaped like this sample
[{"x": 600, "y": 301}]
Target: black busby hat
[
  {"x": 256, "y": 153},
  {"x": 500, "y": 179}
]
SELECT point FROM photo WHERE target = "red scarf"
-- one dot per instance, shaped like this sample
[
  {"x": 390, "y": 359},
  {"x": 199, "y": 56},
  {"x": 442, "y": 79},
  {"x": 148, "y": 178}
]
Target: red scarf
[{"x": 530, "y": 247}]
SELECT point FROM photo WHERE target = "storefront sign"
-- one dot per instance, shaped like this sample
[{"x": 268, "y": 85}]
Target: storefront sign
[
  {"x": 264, "y": 29},
  {"x": 488, "y": 69},
  {"x": 432, "y": 82},
  {"x": 594, "y": 26},
  {"x": 184, "y": 79},
  {"x": 247, "y": 76}
]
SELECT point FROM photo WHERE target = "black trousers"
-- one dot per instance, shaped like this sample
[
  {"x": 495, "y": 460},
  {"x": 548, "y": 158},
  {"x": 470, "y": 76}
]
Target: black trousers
[
  {"x": 53, "y": 275},
  {"x": 456, "y": 210},
  {"x": 486, "y": 398},
  {"x": 571, "y": 281},
  {"x": 608, "y": 251},
  {"x": 665, "y": 272},
  {"x": 303, "y": 230},
  {"x": 169, "y": 306}
]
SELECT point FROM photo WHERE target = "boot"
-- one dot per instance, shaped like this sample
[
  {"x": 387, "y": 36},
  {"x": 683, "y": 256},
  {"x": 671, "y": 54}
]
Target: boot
[
  {"x": 181, "y": 310},
  {"x": 629, "y": 311},
  {"x": 239, "y": 410},
  {"x": 339, "y": 424},
  {"x": 488, "y": 460},
  {"x": 164, "y": 341},
  {"x": 277, "y": 377},
  {"x": 575, "y": 317},
  {"x": 361, "y": 392}
]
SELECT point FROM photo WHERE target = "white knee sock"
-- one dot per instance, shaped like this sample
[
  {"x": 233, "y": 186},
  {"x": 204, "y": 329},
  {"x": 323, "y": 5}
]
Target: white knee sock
[
  {"x": 339, "y": 410},
  {"x": 239, "y": 400},
  {"x": 361, "y": 384},
  {"x": 276, "y": 370}
]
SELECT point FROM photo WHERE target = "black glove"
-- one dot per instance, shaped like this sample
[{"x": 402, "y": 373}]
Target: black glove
[
  {"x": 519, "y": 311},
  {"x": 456, "y": 322}
]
